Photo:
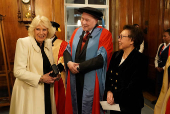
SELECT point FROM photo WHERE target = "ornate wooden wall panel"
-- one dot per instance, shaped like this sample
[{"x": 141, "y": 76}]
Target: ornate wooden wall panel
[
  {"x": 113, "y": 22},
  {"x": 166, "y": 19},
  {"x": 127, "y": 12},
  {"x": 130, "y": 12},
  {"x": 154, "y": 37},
  {"x": 44, "y": 8},
  {"x": 153, "y": 31},
  {"x": 145, "y": 24},
  {"x": 15, "y": 29},
  {"x": 123, "y": 17},
  {"x": 167, "y": 14},
  {"x": 117, "y": 28},
  {"x": 136, "y": 12},
  {"x": 59, "y": 17}
]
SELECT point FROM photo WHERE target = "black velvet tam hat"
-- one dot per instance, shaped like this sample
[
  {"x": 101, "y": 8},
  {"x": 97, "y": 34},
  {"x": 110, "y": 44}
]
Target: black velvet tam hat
[
  {"x": 56, "y": 25},
  {"x": 92, "y": 11}
]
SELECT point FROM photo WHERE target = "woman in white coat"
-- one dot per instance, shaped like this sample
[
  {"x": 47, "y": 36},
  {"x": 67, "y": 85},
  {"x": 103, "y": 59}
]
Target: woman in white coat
[{"x": 33, "y": 89}]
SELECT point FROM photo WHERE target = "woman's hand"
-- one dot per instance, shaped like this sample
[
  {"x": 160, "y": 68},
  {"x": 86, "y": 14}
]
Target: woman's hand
[
  {"x": 46, "y": 78},
  {"x": 57, "y": 78},
  {"x": 110, "y": 98}
]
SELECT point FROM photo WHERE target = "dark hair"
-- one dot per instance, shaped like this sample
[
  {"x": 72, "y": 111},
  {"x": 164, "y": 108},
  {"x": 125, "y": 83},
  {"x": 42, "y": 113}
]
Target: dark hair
[
  {"x": 168, "y": 30},
  {"x": 136, "y": 34},
  {"x": 135, "y": 25}
]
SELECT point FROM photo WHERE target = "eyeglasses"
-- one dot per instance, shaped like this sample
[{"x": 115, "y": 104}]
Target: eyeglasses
[{"x": 120, "y": 37}]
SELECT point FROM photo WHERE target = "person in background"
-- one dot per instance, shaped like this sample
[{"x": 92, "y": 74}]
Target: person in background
[
  {"x": 33, "y": 91},
  {"x": 136, "y": 25},
  {"x": 59, "y": 86},
  {"x": 86, "y": 58},
  {"x": 160, "y": 60},
  {"x": 126, "y": 72},
  {"x": 141, "y": 47}
]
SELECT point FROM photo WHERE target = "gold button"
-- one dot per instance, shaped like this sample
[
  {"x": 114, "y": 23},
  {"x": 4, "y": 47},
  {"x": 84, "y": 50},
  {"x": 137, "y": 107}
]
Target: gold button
[
  {"x": 115, "y": 87},
  {"x": 111, "y": 71},
  {"x": 116, "y": 73},
  {"x": 116, "y": 81},
  {"x": 112, "y": 84}
]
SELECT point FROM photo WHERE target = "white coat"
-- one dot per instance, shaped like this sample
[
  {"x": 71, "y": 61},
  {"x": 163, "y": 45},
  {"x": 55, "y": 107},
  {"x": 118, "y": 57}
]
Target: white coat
[{"x": 28, "y": 93}]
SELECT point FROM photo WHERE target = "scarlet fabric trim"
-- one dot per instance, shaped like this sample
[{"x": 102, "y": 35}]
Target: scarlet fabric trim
[
  {"x": 62, "y": 49},
  {"x": 167, "y": 107},
  {"x": 169, "y": 52},
  {"x": 96, "y": 98},
  {"x": 161, "y": 50},
  {"x": 56, "y": 93},
  {"x": 68, "y": 102},
  {"x": 105, "y": 41},
  {"x": 84, "y": 39},
  {"x": 71, "y": 39},
  {"x": 59, "y": 90}
]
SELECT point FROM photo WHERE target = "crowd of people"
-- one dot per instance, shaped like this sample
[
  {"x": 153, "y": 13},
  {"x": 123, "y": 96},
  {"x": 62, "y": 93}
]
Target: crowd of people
[{"x": 92, "y": 72}]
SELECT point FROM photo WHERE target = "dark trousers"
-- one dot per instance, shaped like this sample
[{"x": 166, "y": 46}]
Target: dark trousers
[
  {"x": 159, "y": 80},
  {"x": 79, "y": 89}
]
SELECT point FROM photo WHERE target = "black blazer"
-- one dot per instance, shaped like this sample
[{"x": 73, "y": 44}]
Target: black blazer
[{"x": 126, "y": 81}]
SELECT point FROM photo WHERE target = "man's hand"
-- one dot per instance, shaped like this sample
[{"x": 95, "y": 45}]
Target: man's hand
[
  {"x": 73, "y": 67},
  {"x": 110, "y": 98}
]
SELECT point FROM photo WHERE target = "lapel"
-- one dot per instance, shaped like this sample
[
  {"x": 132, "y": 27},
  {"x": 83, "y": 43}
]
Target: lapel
[
  {"x": 34, "y": 45},
  {"x": 118, "y": 58},
  {"x": 128, "y": 62},
  {"x": 47, "y": 44},
  {"x": 78, "y": 50}
]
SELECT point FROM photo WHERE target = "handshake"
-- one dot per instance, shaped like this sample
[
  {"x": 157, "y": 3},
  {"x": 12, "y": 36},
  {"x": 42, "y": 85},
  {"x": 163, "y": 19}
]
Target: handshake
[{"x": 56, "y": 69}]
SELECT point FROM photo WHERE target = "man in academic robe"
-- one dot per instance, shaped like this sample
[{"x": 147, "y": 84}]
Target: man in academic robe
[
  {"x": 86, "y": 58},
  {"x": 161, "y": 58},
  {"x": 59, "y": 86}
]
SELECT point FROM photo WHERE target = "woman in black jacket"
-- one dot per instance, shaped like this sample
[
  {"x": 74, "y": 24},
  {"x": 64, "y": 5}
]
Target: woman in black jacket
[{"x": 126, "y": 73}]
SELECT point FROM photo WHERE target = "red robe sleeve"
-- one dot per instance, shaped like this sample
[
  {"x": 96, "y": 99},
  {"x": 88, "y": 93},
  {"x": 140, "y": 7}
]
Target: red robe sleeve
[{"x": 59, "y": 88}]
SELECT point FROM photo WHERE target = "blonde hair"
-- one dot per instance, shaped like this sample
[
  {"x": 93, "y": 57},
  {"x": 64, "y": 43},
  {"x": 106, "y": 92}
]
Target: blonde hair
[{"x": 43, "y": 21}]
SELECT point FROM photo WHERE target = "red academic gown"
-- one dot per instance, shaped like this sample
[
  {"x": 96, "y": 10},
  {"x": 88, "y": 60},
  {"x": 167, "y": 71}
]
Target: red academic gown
[{"x": 59, "y": 86}]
